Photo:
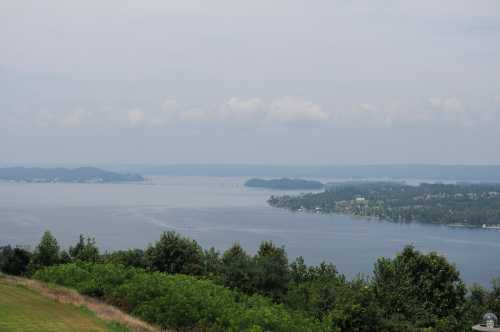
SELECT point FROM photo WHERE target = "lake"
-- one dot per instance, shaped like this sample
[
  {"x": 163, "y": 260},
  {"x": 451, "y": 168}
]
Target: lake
[{"x": 219, "y": 211}]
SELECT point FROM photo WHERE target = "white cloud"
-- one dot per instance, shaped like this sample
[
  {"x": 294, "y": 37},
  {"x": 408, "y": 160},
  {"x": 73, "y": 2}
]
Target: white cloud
[
  {"x": 257, "y": 111},
  {"x": 369, "y": 114},
  {"x": 282, "y": 111},
  {"x": 369, "y": 108},
  {"x": 44, "y": 118},
  {"x": 451, "y": 110},
  {"x": 292, "y": 110},
  {"x": 241, "y": 111},
  {"x": 74, "y": 119},
  {"x": 67, "y": 119},
  {"x": 252, "y": 110},
  {"x": 168, "y": 113},
  {"x": 450, "y": 104},
  {"x": 440, "y": 111},
  {"x": 135, "y": 117}
]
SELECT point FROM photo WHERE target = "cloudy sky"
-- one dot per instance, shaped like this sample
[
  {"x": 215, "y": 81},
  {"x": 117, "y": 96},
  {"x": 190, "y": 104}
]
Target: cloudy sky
[{"x": 261, "y": 81}]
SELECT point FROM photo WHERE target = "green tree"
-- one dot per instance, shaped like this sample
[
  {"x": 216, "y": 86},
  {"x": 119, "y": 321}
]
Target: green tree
[
  {"x": 477, "y": 303},
  {"x": 175, "y": 254},
  {"x": 65, "y": 257},
  {"x": 85, "y": 250},
  {"x": 130, "y": 257},
  {"x": 273, "y": 273},
  {"x": 326, "y": 295},
  {"x": 238, "y": 269},
  {"x": 423, "y": 289},
  {"x": 314, "y": 289},
  {"x": 298, "y": 271},
  {"x": 46, "y": 253},
  {"x": 354, "y": 307},
  {"x": 212, "y": 263},
  {"x": 494, "y": 296},
  {"x": 14, "y": 260}
]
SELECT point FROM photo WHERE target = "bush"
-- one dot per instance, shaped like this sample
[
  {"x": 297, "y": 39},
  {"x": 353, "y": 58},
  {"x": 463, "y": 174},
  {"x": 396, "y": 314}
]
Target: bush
[
  {"x": 177, "y": 301},
  {"x": 99, "y": 280}
]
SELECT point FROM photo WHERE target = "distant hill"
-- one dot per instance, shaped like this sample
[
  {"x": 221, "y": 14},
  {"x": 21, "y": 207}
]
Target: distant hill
[
  {"x": 78, "y": 175},
  {"x": 483, "y": 173},
  {"x": 284, "y": 184}
]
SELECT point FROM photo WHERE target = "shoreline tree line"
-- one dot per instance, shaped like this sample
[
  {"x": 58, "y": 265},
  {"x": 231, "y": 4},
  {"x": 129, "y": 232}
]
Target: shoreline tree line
[{"x": 462, "y": 204}]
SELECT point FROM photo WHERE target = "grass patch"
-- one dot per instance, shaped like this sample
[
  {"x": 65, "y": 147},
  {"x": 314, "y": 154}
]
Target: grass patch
[{"x": 23, "y": 309}]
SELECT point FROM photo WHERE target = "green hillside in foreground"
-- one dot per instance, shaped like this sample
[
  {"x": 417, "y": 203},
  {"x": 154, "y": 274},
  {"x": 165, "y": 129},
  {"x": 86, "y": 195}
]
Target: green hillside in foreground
[{"x": 23, "y": 309}]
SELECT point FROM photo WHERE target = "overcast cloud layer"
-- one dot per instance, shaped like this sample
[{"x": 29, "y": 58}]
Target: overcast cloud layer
[{"x": 302, "y": 82}]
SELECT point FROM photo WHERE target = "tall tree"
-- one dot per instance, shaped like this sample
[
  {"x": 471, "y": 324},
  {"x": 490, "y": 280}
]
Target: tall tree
[
  {"x": 46, "y": 253},
  {"x": 238, "y": 269},
  {"x": 423, "y": 289},
  {"x": 85, "y": 250},
  {"x": 175, "y": 254},
  {"x": 14, "y": 260},
  {"x": 273, "y": 273}
]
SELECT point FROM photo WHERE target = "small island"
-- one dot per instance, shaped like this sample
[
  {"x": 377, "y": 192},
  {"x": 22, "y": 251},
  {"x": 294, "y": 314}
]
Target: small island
[
  {"x": 457, "y": 205},
  {"x": 77, "y": 175},
  {"x": 285, "y": 184}
]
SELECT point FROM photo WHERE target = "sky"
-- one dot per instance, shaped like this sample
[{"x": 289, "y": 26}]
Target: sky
[{"x": 252, "y": 82}]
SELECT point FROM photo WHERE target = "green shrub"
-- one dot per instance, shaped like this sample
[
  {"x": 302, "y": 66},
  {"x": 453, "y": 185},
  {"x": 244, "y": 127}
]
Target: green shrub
[{"x": 177, "y": 301}]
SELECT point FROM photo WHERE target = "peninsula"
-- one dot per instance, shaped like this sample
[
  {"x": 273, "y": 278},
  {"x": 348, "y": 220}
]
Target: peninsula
[{"x": 462, "y": 204}]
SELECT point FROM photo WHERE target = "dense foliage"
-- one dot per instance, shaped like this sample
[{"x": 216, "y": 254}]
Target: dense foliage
[
  {"x": 85, "y": 250},
  {"x": 175, "y": 254},
  {"x": 421, "y": 290},
  {"x": 177, "y": 301},
  {"x": 459, "y": 204},
  {"x": 176, "y": 284},
  {"x": 130, "y": 257},
  {"x": 47, "y": 253},
  {"x": 14, "y": 261}
]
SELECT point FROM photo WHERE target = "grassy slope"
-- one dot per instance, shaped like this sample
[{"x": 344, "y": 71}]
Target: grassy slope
[{"x": 23, "y": 309}]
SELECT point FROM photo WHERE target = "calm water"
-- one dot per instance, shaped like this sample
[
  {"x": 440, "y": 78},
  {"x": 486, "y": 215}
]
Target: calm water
[{"x": 219, "y": 211}]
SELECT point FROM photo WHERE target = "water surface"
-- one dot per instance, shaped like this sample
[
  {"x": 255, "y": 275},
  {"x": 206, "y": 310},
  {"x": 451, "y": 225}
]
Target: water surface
[{"x": 219, "y": 211}]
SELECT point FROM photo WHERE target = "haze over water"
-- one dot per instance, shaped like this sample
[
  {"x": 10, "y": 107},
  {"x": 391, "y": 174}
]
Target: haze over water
[{"x": 220, "y": 211}]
